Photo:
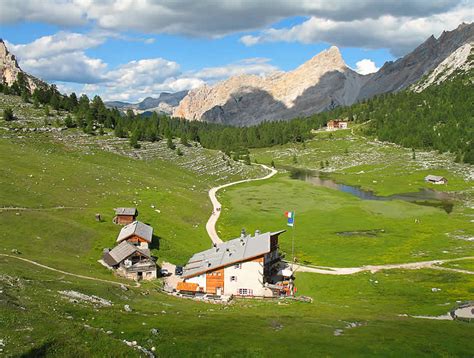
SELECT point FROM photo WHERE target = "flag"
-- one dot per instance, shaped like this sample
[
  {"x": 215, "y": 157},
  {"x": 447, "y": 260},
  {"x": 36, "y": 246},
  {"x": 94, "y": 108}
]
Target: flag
[{"x": 291, "y": 217}]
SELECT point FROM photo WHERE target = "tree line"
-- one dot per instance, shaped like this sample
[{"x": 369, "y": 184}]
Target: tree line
[{"x": 441, "y": 117}]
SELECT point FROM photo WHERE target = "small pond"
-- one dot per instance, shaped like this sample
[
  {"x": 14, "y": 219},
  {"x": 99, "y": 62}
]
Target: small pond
[{"x": 426, "y": 197}]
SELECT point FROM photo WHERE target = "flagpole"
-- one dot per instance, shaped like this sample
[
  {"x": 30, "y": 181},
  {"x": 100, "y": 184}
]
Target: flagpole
[{"x": 293, "y": 241}]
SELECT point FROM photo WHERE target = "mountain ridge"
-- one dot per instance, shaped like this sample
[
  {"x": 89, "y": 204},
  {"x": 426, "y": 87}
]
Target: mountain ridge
[
  {"x": 325, "y": 81},
  {"x": 315, "y": 85}
]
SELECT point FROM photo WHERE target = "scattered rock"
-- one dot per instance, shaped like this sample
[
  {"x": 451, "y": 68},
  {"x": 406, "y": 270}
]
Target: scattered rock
[
  {"x": 75, "y": 297},
  {"x": 127, "y": 308},
  {"x": 338, "y": 332}
]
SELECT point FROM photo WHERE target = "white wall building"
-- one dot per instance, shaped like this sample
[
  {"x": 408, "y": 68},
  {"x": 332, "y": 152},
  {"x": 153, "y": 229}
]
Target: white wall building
[{"x": 241, "y": 267}]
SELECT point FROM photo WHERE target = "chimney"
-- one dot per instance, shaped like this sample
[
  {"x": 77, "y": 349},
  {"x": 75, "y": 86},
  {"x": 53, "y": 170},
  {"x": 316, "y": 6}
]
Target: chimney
[
  {"x": 257, "y": 232},
  {"x": 243, "y": 233}
]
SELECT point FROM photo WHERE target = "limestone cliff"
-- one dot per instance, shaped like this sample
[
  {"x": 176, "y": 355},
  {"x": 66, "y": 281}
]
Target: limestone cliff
[
  {"x": 322, "y": 83},
  {"x": 9, "y": 69}
]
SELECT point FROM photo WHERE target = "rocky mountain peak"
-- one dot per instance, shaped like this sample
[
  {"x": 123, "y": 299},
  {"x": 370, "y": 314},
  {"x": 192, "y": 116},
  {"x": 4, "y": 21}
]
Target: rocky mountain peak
[
  {"x": 321, "y": 83},
  {"x": 9, "y": 69},
  {"x": 330, "y": 59}
]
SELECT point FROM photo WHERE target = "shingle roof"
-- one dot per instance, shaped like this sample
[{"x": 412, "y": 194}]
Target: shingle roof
[
  {"x": 126, "y": 211},
  {"x": 123, "y": 251},
  {"x": 136, "y": 228},
  {"x": 229, "y": 252}
]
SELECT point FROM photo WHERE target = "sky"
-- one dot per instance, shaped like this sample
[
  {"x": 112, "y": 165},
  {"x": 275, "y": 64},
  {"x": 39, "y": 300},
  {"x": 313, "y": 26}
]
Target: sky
[{"x": 130, "y": 49}]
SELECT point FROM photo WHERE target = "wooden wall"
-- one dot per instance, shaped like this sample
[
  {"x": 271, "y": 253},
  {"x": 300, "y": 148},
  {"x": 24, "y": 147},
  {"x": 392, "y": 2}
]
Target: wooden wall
[{"x": 214, "y": 279}]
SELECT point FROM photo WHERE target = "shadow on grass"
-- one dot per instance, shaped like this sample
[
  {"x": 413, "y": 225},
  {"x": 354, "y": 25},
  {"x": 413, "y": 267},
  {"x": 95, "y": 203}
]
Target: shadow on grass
[{"x": 40, "y": 351}]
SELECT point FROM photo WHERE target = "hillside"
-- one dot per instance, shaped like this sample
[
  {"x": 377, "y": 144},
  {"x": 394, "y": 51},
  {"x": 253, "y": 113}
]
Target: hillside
[
  {"x": 55, "y": 180},
  {"x": 398, "y": 75}
]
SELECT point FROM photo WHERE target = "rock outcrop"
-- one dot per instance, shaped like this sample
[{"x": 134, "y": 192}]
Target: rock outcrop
[
  {"x": 460, "y": 60},
  {"x": 398, "y": 75},
  {"x": 165, "y": 103},
  {"x": 9, "y": 69},
  {"x": 322, "y": 83}
]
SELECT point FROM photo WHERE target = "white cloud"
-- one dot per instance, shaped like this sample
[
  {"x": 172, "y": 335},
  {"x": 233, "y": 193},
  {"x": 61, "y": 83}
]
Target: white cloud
[
  {"x": 207, "y": 17},
  {"x": 59, "y": 43},
  {"x": 399, "y": 34},
  {"x": 254, "y": 66},
  {"x": 366, "y": 66},
  {"x": 61, "y": 57},
  {"x": 68, "y": 67}
]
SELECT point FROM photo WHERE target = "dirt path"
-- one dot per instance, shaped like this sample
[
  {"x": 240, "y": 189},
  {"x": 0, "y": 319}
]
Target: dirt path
[
  {"x": 434, "y": 264},
  {"x": 67, "y": 273},
  {"x": 12, "y": 208},
  {"x": 216, "y": 206}
]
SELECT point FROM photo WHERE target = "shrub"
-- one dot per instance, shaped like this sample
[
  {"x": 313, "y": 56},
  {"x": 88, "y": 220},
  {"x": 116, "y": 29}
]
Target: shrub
[{"x": 8, "y": 114}]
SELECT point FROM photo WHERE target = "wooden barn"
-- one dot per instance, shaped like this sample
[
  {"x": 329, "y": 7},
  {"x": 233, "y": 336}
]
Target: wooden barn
[
  {"x": 131, "y": 261},
  {"x": 124, "y": 216},
  {"x": 136, "y": 233}
]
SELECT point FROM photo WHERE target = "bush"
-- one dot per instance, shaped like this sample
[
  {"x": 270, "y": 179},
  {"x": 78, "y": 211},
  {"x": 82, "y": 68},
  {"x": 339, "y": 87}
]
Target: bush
[{"x": 8, "y": 114}]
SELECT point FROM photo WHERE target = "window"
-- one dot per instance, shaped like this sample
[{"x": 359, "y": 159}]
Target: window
[
  {"x": 233, "y": 278},
  {"x": 245, "y": 292},
  {"x": 238, "y": 266}
]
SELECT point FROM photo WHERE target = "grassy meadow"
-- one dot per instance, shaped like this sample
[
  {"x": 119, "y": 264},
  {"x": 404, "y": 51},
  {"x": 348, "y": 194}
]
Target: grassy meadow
[
  {"x": 362, "y": 315},
  {"x": 51, "y": 190}
]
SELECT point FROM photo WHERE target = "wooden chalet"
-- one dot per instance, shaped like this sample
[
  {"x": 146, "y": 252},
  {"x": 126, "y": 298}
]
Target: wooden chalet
[
  {"x": 246, "y": 266},
  {"x": 136, "y": 233},
  {"x": 131, "y": 261},
  {"x": 124, "y": 216},
  {"x": 335, "y": 124}
]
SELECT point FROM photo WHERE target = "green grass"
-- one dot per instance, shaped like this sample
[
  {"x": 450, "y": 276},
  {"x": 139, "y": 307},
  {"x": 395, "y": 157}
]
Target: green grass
[
  {"x": 39, "y": 172},
  {"x": 461, "y": 265},
  {"x": 383, "y": 168},
  {"x": 323, "y": 213},
  {"x": 188, "y": 328}
]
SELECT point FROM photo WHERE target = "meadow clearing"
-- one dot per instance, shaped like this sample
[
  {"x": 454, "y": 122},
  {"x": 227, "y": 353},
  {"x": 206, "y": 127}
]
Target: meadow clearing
[{"x": 51, "y": 191}]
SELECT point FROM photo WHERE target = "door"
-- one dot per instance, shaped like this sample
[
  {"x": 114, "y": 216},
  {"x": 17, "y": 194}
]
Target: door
[{"x": 219, "y": 291}]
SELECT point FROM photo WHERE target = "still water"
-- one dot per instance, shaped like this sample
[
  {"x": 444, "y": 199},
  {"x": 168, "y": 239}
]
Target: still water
[{"x": 427, "y": 197}]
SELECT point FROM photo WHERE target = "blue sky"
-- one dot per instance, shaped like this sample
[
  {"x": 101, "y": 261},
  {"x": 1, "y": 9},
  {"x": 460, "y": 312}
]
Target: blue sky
[{"x": 128, "y": 50}]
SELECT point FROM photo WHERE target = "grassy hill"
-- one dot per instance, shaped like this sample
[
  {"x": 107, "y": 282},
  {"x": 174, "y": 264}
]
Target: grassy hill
[{"x": 54, "y": 182}]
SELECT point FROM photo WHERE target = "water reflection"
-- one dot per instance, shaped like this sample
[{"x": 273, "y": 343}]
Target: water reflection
[{"x": 426, "y": 197}]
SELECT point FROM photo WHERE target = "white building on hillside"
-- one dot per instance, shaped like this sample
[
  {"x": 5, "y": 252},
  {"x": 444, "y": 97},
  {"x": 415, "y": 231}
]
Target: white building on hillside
[{"x": 246, "y": 266}]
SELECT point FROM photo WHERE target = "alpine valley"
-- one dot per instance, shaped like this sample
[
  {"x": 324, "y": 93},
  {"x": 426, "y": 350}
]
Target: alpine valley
[{"x": 317, "y": 212}]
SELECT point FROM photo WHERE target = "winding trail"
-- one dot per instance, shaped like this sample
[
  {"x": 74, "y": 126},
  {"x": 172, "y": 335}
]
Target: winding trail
[
  {"x": 434, "y": 264},
  {"x": 216, "y": 205},
  {"x": 67, "y": 273},
  {"x": 216, "y": 212}
]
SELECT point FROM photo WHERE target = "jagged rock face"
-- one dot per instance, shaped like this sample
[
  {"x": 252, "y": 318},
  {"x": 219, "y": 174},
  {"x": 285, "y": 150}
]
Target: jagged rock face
[
  {"x": 398, "y": 75},
  {"x": 165, "y": 103},
  {"x": 459, "y": 60},
  {"x": 164, "y": 100},
  {"x": 322, "y": 83},
  {"x": 8, "y": 65},
  {"x": 9, "y": 69}
]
